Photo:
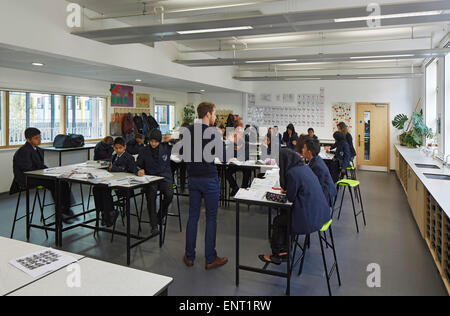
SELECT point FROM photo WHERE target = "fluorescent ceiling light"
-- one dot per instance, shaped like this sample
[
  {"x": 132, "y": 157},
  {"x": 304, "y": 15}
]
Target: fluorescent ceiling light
[
  {"x": 217, "y": 7},
  {"x": 202, "y": 90},
  {"x": 270, "y": 61},
  {"x": 37, "y": 64},
  {"x": 388, "y": 16},
  {"x": 138, "y": 80},
  {"x": 237, "y": 28},
  {"x": 385, "y": 56},
  {"x": 296, "y": 79}
]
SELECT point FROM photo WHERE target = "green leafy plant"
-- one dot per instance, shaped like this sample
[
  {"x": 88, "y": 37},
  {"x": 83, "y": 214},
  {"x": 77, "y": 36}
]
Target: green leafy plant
[
  {"x": 189, "y": 114},
  {"x": 416, "y": 131}
]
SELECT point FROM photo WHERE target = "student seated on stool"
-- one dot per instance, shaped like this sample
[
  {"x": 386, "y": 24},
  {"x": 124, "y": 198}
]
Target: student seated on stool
[
  {"x": 135, "y": 145},
  {"x": 311, "y": 150},
  {"x": 121, "y": 162},
  {"x": 154, "y": 160},
  {"x": 104, "y": 149},
  {"x": 30, "y": 157},
  {"x": 310, "y": 210}
]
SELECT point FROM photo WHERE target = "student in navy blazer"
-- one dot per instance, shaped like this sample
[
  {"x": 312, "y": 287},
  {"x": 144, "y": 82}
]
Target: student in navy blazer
[
  {"x": 121, "y": 162},
  {"x": 310, "y": 210},
  {"x": 311, "y": 150},
  {"x": 154, "y": 160},
  {"x": 30, "y": 157},
  {"x": 342, "y": 154}
]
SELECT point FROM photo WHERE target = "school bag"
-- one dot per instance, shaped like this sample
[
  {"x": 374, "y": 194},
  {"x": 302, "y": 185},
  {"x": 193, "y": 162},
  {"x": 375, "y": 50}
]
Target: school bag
[{"x": 68, "y": 141}]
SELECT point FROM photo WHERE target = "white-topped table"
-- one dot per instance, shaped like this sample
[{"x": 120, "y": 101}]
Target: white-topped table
[
  {"x": 11, "y": 278},
  {"x": 59, "y": 229},
  {"x": 87, "y": 147},
  {"x": 100, "y": 278},
  {"x": 265, "y": 203}
]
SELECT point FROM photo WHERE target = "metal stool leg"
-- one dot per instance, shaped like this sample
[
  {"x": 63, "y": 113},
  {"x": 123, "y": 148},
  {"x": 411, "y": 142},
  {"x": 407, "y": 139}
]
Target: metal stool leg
[
  {"x": 362, "y": 206},
  {"x": 335, "y": 256},
  {"x": 354, "y": 210},
  {"x": 305, "y": 243},
  {"x": 179, "y": 210},
  {"x": 342, "y": 202},
  {"x": 325, "y": 263}
]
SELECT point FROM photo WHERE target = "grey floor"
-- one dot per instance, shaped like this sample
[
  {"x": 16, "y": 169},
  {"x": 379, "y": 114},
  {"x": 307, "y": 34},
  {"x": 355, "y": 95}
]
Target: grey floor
[{"x": 391, "y": 240}]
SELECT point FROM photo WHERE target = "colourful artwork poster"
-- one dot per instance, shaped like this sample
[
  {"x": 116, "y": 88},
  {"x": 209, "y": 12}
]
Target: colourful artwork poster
[
  {"x": 342, "y": 112},
  {"x": 122, "y": 96},
  {"x": 142, "y": 100}
]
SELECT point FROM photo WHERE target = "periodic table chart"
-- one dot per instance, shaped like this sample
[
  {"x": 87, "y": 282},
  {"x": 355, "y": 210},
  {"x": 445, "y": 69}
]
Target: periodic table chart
[{"x": 302, "y": 110}]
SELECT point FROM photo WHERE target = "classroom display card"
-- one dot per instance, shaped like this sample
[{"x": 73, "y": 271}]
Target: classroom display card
[{"x": 43, "y": 262}]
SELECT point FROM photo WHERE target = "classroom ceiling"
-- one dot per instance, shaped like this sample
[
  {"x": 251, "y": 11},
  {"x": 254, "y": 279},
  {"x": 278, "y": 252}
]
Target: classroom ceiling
[
  {"x": 225, "y": 30},
  {"x": 22, "y": 59}
]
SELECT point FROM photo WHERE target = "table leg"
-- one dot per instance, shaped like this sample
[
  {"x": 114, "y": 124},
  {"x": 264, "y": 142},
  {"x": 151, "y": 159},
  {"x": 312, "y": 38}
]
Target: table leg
[
  {"x": 288, "y": 265},
  {"x": 28, "y": 208},
  {"x": 269, "y": 225},
  {"x": 160, "y": 222},
  {"x": 58, "y": 215},
  {"x": 237, "y": 243},
  {"x": 60, "y": 158},
  {"x": 127, "y": 210},
  {"x": 89, "y": 154}
]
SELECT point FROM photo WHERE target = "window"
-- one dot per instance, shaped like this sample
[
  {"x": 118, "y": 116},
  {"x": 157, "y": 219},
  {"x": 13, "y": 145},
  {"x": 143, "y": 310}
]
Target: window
[
  {"x": 86, "y": 116},
  {"x": 431, "y": 96},
  {"x": 165, "y": 116},
  {"x": 2, "y": 118},
  {"x": 33, "y": 110},
  {"x": 447, "y": 105}
]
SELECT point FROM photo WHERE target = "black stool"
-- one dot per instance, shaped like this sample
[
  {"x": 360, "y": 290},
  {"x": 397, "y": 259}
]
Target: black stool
[
  {"x": 323, "y": 239},
  {"x": 37, "y": 197}
]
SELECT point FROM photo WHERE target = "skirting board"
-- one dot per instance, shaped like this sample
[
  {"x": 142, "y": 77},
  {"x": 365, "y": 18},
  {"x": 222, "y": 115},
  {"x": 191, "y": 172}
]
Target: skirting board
[{"x": 373, "y": 168}]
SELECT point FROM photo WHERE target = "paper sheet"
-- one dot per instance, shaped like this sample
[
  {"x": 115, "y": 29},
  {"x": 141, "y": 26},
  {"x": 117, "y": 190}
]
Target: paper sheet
[
  {"x": 251, "y": 194},
  {"x": 43, "y": 262}
]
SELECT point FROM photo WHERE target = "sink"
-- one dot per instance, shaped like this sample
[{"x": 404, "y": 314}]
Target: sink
[
  {"x": 437, "y": 176},
  {"x": 426, "y": 166}
]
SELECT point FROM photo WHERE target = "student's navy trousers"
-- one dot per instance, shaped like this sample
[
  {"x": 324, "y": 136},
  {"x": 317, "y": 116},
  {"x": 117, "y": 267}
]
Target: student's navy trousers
[{"x": 209, "y": 190}]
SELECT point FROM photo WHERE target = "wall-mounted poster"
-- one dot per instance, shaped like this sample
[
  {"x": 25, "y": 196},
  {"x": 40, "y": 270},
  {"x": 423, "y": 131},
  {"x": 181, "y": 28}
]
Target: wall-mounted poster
[
  {"x": 142, "y": 100},
  {"x": 122, "y": 96},
  {"x": 342, "y": 112}
]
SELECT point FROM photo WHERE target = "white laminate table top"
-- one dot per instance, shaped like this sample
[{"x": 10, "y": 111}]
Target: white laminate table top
[
  {"x": 51, "y": 148},
  {"x": 99, "y": 278},
  {"x": 439, "y": 189},
  {"x": 12, "y": 278}
]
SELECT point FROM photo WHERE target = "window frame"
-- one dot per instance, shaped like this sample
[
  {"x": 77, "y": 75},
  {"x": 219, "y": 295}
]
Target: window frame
[{"x": 5, "y": 115}]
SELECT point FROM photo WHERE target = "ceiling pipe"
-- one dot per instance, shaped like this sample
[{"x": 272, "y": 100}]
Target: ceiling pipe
[{"x": 247, "y": 48}]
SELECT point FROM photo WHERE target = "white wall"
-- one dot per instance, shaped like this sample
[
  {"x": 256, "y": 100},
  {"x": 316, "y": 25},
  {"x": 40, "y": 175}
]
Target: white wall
[
  {"x": 402, "y": 94},
  {"x": 227, "y": 101}
]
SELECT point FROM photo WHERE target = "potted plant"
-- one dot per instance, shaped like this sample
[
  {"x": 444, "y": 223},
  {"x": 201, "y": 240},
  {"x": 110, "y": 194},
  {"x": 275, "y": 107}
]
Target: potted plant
[
  {"x": 189, "y": 114},
  {"x": 416, "y": 131}
]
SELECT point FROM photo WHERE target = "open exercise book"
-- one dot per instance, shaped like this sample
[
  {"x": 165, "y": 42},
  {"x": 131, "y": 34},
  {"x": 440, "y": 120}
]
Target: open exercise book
[{"x": 42, "y": 263}]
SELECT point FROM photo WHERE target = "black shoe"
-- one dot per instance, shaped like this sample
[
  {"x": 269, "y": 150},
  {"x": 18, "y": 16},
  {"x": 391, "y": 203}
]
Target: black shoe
[
  {"x": 109, "y": 222},
  {"x": 66, "y": 219},
  {"x": 69, "y": 213},
  {"x": 155, "y": 232}
]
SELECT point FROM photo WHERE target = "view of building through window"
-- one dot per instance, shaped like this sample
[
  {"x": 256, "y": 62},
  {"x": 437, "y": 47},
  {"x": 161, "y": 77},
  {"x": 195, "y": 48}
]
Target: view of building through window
[
  {"x": 165, "y": 116},
  {"x": 86, "y": 116}
]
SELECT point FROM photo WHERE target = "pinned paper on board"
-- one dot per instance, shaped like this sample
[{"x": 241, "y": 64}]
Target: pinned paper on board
[{"x": 342, "y": 112}]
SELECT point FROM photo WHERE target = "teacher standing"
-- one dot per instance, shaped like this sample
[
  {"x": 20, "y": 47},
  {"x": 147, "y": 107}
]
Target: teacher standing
[{"x": 203, "y": 184}]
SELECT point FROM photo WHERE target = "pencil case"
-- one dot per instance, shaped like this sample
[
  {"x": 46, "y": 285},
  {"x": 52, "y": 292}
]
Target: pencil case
[{"x": 279, "y": 198}]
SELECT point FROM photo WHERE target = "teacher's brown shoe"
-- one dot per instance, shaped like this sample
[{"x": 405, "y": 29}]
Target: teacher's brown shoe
[
  {"x": 217, "y": 263},
  {"x": 187, "y": 262}
]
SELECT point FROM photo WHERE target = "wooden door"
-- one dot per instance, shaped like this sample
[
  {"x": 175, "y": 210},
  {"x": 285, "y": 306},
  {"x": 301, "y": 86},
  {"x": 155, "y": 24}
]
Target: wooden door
[{"x": 373, "y": 136}]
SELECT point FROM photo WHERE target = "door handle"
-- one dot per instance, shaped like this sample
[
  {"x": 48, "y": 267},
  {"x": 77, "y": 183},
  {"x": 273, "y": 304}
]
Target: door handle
[{"x": 359, "y": 140}]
